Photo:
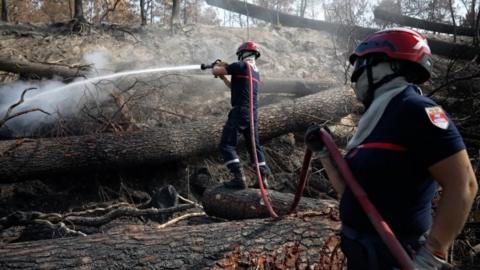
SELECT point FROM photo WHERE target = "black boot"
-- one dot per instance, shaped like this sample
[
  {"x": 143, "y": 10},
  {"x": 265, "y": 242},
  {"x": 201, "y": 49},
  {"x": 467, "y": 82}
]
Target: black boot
[
  {"x": 264, "y": 173},
  {"x": 238, "y": 181},
  {"x": 264, "y": 181}
]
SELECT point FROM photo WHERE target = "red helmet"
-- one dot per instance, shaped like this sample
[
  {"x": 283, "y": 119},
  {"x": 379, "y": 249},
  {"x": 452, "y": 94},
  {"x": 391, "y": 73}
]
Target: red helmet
[
  {"x": 248, "y": 46},
  {"x": 401, "y": 44}
]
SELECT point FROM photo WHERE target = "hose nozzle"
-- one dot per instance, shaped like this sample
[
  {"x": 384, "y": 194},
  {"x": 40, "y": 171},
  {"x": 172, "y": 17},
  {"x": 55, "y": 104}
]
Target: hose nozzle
[
  {"x": 217, "y": 62},
  {"x": 205, "y": 66}
]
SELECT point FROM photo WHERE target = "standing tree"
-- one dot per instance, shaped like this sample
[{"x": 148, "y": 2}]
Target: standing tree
[
  {"x": 303, "y": 8},
  {"x": 143, "y": 13},
  {"x": 4, "y": 11},
  {"x": 175, "y": 20},
  {"x": 78, "y": 11},
  {"x": 452, "y": 14}
]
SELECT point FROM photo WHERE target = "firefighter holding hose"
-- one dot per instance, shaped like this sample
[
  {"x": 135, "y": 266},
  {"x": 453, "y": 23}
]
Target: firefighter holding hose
[
  {"x": 405, "y": 145},
  {"x": 244, "y": 76}
]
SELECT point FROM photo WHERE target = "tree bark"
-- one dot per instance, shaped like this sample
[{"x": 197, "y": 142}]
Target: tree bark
[
  {"x": 78, "y": 11},
  {"x": 422, "y": 24},
  {"x": 454, "y": 24},
  {"x": 4, "y": 10},
  {"x": 39, "y": 70},
  {"x": 175, "y": 19},
  {"x": 438, "y": 47},
  {"x": 303, "y": 8},
  {"x": 227, "y": 245},
  {"x": 142, "y": 12},
  {"x": 477, "y": 29},
  {"x": 243, "y": 204},
  {"x": 21, "y": 159}
]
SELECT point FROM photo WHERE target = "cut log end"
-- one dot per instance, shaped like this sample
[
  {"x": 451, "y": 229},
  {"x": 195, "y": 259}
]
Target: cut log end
[{"x": 248, "y": 203}]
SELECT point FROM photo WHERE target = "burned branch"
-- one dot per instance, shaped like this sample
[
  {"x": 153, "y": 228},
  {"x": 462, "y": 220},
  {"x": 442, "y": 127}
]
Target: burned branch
[
  {"x": 41, "y": 70},
  {"x": 22, "y": 218},
  {"x": 8, "y": 114}
]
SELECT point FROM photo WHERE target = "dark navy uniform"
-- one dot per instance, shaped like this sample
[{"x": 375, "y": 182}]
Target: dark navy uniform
[
  {"x": 239, "y": 116},
  {"x": 391, "y": 164}
]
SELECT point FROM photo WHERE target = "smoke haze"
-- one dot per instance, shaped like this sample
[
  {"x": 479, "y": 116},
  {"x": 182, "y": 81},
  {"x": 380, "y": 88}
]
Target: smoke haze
[{"x": 65, "y": 103}]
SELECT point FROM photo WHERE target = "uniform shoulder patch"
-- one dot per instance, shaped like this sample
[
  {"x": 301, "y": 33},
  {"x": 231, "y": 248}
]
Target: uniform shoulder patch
[{"x": 437, "y": 116}]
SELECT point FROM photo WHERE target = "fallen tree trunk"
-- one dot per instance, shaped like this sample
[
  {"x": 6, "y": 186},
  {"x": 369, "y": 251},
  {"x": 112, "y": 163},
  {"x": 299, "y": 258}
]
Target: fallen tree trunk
[
  {"x": 438, "y": 47},
  {"x": 422, "y": 24},
  {"x": 273, "y": 16},
  {"x": 26, "y": 158},
  {"x": 248, "y": 203},
  {"x": 301, "y": 240},
  {"x": 40, "y": 70},
  {"x": 276, "y": 85}
]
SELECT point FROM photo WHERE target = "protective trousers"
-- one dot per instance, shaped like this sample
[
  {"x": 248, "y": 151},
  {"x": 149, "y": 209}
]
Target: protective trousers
[
  {"x": 366, "y": 251},
  {"x": 239, "y": 123}
]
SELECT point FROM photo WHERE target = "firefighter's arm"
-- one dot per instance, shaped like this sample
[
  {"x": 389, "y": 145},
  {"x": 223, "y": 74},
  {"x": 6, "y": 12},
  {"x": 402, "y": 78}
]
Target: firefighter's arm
[
  {"x": 220, "y": 71},
  {"x": 315, "y": 144},
  {"x": 459, "y": 187},
  {"x": 333, "y": 175}
]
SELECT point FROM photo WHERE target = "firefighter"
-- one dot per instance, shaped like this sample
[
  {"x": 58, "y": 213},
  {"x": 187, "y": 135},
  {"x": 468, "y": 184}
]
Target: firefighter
[
  {"x": 404, "y": 146},
  {"x": 239, "y": 116}
]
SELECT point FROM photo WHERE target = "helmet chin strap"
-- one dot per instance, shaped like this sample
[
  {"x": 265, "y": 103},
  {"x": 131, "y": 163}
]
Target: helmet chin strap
[
  {"x": 372, "y": 86},
  {"x": 244, "y": 55}
]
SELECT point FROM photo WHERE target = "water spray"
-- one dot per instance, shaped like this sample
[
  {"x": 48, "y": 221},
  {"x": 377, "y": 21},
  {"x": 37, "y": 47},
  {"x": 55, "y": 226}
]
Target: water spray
[
  {"x": 120, "y": 74},
  {"x": 52, "y": 96}
]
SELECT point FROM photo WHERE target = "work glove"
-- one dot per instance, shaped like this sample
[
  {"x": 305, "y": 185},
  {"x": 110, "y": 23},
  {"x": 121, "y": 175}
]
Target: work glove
[
  {"x": 425, "y": 260},
  {"x": 314, "y": 142},
  {"x": 220, "y": 63},
  {"x": 217, "y": 62}
]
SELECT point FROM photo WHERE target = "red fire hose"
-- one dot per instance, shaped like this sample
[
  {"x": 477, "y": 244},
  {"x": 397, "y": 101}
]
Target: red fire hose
[
  {"x": 265, "y": 198},
  {"x": 306, "y": 160}
]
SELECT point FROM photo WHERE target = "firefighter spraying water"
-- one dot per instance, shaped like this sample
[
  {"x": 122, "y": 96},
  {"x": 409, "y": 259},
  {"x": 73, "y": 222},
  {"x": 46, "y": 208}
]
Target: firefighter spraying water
[{"x": 244, "y": 97}]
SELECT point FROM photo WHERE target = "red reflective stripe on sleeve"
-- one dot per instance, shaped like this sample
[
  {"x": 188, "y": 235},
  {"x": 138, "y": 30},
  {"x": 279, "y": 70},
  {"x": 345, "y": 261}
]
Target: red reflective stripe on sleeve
[
  {"x": 246, "y": 77},
  {"x": 386, "y": 146}
]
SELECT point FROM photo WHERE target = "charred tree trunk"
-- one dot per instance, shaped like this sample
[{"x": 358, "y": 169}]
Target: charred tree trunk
[
  {"x": 438, "y": 47},
  {"x": 477, "y": 29},
  {"x": 303, "y": 8},
  {"x": 4, "y": 16},
  {"x": 454, "y": 24},
  {"x": 422, "y": 24},
  {"x": 227, "y": 245},
  {"x": 175, "y": 19},
  {"x": 39, "y": 70},
  {"x": 248, "y": 203},
  {"x": 78, "y": 11},
  {"x": 284, "y": 19},
  {"x": 142, "y": 12},
  {"x": 23, "y": 158}
]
